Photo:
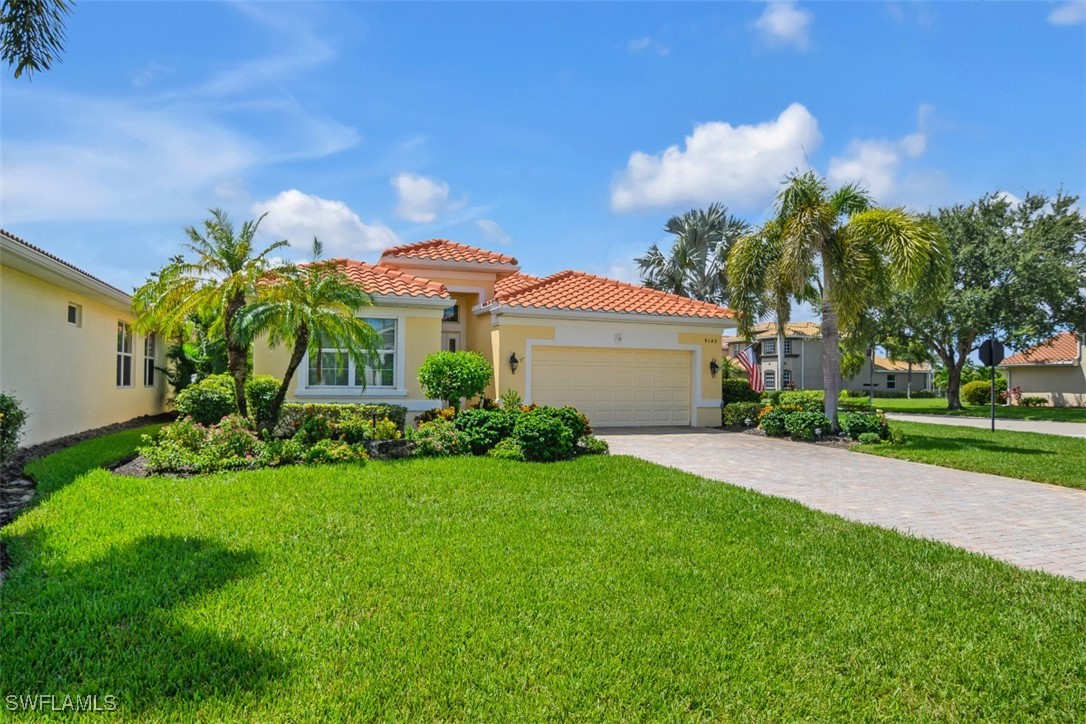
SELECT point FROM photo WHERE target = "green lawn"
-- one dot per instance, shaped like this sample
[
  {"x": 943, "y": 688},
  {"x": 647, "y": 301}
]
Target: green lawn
[
  {"x": 938, "y": 407},
  {"x": 1027, "y": 455},
  {"x": 601, "y": 588}
]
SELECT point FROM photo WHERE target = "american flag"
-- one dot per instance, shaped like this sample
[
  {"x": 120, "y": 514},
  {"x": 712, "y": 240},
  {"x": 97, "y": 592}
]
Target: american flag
[{"x": 749, "y": 361}]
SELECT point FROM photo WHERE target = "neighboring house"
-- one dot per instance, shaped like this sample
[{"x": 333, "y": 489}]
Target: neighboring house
[
  {"x": 803, "y": 362},
  {"x": 1055, "y": 369},
  {"x": 67, "y": 349},
  {"x": 623, "y": 354}
]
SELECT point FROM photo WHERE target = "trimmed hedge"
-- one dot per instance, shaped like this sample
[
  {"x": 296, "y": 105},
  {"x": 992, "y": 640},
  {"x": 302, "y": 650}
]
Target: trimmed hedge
[
  {"x": 736, "y": 414},
  {"x": 737, "y": 391},
  {"x": 979, "y": 392},
  {"x": 295, "y": 413},
  {"x": 209, "y": 400}
]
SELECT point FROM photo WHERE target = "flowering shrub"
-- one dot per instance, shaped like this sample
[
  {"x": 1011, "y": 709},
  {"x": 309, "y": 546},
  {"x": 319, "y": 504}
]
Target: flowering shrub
[
  {"x": 439, "y": 438},
  {"x": 335, "y": 451}
]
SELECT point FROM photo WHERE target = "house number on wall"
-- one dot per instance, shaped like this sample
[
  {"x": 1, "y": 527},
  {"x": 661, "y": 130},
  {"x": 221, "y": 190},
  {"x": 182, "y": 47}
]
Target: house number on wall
[{"x": 712, "y": 340}]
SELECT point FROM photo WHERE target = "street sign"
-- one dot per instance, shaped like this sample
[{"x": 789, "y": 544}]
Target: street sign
[{"x": 991, "y": 352}]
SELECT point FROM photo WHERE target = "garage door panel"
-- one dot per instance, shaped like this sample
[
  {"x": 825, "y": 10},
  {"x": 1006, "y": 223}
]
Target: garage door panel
[{"x": 615, "y": 387}]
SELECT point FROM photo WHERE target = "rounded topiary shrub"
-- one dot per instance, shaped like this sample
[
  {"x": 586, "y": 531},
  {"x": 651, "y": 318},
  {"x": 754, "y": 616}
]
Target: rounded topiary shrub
[
  {"x": 806, "y": 425},
  {"x": 855, "y": 424},
  {"x": 737, "y": 391},
  {"x": 12, "y": 419},
  {"x": 543, "y": 436},
  {"x": 484, "y": 428},
  {"x": 209, "y": 400},
  {"x": 979, "y": 392},
  {"x": 452, "y": 376},
  {"x": 260, "y": 390}
]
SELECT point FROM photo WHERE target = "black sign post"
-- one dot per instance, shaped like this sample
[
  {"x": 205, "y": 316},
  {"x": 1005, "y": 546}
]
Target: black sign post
[{"x": 991, "y": 354}]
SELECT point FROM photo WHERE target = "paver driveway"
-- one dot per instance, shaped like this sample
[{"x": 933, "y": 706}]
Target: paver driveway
[{"x": 1031, "y": 525}]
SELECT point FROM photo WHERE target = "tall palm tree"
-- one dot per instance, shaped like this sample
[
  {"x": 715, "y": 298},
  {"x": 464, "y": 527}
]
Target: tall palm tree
[
  {"x": 220, "y": 281},
  {"x": 696, "y": 265},
  {"x": 854, "y": 254},
  {"x": 307, "y": 307}
]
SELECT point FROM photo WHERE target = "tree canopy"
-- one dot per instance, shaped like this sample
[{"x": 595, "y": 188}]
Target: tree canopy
[{"x": 32, "y": 34}]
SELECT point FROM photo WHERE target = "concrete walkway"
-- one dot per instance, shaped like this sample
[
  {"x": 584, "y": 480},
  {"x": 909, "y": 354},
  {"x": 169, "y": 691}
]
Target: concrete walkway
[
  {"x": 1048, "y": 427},
  {"x": 1032, "y": 525}
]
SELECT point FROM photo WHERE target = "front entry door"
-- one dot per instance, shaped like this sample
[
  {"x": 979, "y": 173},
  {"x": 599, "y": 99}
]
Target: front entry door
[{"x": 450, "y": 341}]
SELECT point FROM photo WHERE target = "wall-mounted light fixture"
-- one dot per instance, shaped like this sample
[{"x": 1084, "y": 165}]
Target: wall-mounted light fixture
[
  {"x": 714, "y": 367},
  {"x": 513, "y": 362}
]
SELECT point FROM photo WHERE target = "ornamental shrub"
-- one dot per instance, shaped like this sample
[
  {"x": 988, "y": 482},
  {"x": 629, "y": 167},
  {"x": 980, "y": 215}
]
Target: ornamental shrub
[
  {"x": 737, "y": 391},
  {"x": 772, "y": 419},
  {"x": 484, "y": 429},
  {"x": 736, "y": 414},
  {"x": 897, "y": 436},
  {"x": 386, "y": 429},
  {"x": 260, "y": 390},
  {"x": 573, "y": 419},
  {"x": 209, "y": 400},
  {"x": 806, "y": 425},
  {"x": 232, "y": 438},
  {"x": 809, "y": 400},
  {"x": 979, "y": 392},
  {"x": 312, "y": 429},
  {"x": 452, "y": 376},
  {"x": 543, "y": 436},
  {"x": 591, "y": 445},
  {"x": 12, "y": 419},
  {"x": 1034, "y": 402},
  {"x": 439, "y": 438},
  {"x": 870, "y": 438},
  {"x": 294, "y": 414},
  {"x": 438, "y": 413},
  {"x": 507, "y": 449},
  {"x": 335, "y": 451},
  {"x": 511, "y": 399},
  {"x": 855, "y": 424}
]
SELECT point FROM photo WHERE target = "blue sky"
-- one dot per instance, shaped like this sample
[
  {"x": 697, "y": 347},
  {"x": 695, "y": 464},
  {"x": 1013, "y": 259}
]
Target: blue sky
[{"x": 564, "y": 134}]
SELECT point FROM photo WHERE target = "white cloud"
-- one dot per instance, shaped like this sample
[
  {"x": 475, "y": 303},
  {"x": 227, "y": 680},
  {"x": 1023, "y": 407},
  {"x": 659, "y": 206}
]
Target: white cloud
[
  {"x": 1068, "y": 13},
  {"x": 1008, "y": 197},
  {"x": 492, "y": 231},
  {"x": 782, "y": 24},
  {"x": 875, "y": 164},
  {"x": 742, "y": 165},
  {"x": 640, "y": 45},
  {"x": 298, "y": 217},
  {"x": 421, "y": 198}
]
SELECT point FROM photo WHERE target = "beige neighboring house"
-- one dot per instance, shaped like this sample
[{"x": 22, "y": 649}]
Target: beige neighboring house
[
  {"x": 67, "y": 349},
  {"x": 623, "y": 354},
  {"x": 1055, "y": 369},
  {"x": 803, "y": 362}
]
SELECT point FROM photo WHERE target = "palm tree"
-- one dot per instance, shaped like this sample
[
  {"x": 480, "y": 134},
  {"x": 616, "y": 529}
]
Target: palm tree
[
  {"x": 854, "y": 254},
  {"x": 696, "y": 266},
  {"x": 307, "y": 307},
  {"x": 32, "y": 34},
  {"x": 220, "y": 282}
]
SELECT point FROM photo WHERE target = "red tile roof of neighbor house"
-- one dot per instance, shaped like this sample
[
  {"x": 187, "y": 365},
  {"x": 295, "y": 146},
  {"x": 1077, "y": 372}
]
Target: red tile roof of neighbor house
[
  {"x": 57, "y": 259},
  {"x": 384, "y": 281},
  {"x": 577, "y": 291},
  {"x": 445, "y": 250},
  {"x": 1061, "y": 349}
]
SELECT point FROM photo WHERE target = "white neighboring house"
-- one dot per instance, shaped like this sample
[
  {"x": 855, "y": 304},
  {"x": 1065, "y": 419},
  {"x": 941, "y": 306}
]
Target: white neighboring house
[
  {"x": 803, "y": 362},
  {"x": 1054, "y": 369},
  {"x": 67, "y": 347}
]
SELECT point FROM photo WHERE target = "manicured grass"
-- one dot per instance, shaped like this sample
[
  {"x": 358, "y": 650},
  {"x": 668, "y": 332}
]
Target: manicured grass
[
  {"x": 1027, "y": 455},
  {"x": 938, "y": 407},
  {"x": 54, "y": 472},
  {"x": 601, "y": 588}
]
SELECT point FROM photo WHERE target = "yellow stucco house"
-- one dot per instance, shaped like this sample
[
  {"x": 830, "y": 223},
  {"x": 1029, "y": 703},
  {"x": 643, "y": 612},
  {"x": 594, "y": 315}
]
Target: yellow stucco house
[
  {"x": 67, "y": 347},
  {"x": 623, "y": 354}
]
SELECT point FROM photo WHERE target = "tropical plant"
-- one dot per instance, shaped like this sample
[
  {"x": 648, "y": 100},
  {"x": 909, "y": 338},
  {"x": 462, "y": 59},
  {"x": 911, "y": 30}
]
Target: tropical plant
[
  {"x": 696, "y": 265},
  {"x": 12, "y": 419},
  {"x": 452, "y": 376},
  {"x": 219, "y": 282},
  {"x": 852, "y": 253},
  {"x": 307, "y": 307},
  {"x": 32, "y": 34}
]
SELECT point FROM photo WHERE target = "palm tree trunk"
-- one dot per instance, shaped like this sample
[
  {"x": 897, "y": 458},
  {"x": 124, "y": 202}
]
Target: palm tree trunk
[
  {"x": 301, "y": 343},
  {"x": 831, "y": 354},
  {"x": 237, "y": 355}
]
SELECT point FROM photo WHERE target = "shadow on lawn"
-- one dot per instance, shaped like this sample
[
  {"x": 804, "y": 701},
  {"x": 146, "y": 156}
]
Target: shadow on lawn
[
  {"x": 933, "y": 443},
  {"x": 107, "y": 626}
]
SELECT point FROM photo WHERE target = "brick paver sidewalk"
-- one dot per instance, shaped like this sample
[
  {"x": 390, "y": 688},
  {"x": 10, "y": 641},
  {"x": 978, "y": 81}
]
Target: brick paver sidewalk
[{"x": 1032, "y": 525}]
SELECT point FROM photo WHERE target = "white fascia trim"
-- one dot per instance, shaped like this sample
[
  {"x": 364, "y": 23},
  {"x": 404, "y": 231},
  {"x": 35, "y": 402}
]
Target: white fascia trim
[
  {"x": 503, "y": 310},
  {"x": 393, "y": 261},
  {"x": 1027, "y": 365},
  {"x": 393, "y": 300},
  {"x": 82, "y": 281}
]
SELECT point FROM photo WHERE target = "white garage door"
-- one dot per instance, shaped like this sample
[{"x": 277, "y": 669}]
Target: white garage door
[{"x": 615, "y": 387}]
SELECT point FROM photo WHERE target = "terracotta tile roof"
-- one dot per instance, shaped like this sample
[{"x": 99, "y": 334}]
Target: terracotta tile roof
[
  {"x": 393, "y": 282},
  {"x": 768, "y": 330},
  {"x": 445, "y": 250},
  {"x": 884, "y": 364},
  {"x": 57, "y": 259},
  {"x": 1061, "y": 349},
  {"x": 577, "y": 291},
  {"x": 513, "y": 283}
]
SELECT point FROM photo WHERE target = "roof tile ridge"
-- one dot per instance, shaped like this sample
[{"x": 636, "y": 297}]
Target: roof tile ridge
[{"x": 532, "y": 286}]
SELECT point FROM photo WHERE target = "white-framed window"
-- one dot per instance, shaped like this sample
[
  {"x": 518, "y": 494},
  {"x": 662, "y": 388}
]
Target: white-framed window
[
  {"x": 769, "y": 378},
  {"x": 891, "y": 382},
  {"x": 788, "y": 346},
  {"x": 333, "y": 367},
  {"x": 149, "y": 360},
  {"x": 769, "y": 347},
  {"x": 124, "y": 354},
  {"x": 786, "y": 377},
  {"x": 75, "y": 314}
]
